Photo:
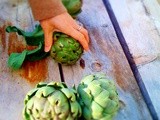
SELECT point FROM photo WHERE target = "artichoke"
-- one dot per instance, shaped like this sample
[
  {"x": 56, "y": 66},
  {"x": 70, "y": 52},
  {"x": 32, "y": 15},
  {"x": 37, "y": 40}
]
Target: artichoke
[
  {"x": 98, "y": 97},
  {"x": 65, "y": 49},
  {"x": 53, "y": 101},
  {"x": 73, "y": 6}
]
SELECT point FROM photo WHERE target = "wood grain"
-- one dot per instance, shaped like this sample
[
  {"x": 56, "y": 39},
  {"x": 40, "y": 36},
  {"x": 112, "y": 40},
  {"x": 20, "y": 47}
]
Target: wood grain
[
  {"x": 106, "y": 56},
  {"x": 139, "y": 22},
  {"x": 15, "y": 84}
]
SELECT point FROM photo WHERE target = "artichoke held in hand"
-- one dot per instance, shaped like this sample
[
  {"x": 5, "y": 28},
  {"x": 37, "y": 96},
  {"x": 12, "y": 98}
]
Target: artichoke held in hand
[{"x": 65, "y": 49}]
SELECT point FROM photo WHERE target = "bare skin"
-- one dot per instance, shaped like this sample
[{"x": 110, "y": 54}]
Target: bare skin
[{"x": 66, "y": 24}]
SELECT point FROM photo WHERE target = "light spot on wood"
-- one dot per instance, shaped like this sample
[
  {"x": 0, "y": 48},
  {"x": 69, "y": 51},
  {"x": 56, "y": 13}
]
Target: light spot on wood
[
  {"x": 36, "y": 71},
  {"x": 96, "y": 66},
  {"x": 158, "y": 2},
  {"x": 122, "y": 104},
  {"x": 118, "y": 74},
  {"x": 142, "y": 60}
]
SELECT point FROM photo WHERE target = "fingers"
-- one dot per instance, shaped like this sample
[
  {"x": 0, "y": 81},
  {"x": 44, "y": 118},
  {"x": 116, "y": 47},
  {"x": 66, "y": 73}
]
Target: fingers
[
  {"x": 85, "y": 33},
  {"x": 48, "y": 40},
  {"x": 76, "y": 26},
  {"x": 64, "y": 23},
  {"x": 80, "y": 37},
  {"x": 83, "y": 30},
  {"x": 69, "y": 29}
]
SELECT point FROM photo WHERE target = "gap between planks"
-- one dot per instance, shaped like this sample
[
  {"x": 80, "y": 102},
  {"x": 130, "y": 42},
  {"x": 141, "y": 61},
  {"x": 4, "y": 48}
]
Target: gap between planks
[
  {"x": 61, "y": 72},
  {"x": 130, "y": 60}
]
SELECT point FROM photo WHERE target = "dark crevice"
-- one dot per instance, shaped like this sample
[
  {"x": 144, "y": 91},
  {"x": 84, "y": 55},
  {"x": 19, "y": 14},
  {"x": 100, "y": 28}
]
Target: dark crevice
[
  {"x": 61, "y": 72},
  {"x": 130, "y": 60}
]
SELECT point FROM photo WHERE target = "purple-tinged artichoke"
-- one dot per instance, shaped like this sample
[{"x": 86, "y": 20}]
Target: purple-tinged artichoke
[{"x": 53, "y": 101}]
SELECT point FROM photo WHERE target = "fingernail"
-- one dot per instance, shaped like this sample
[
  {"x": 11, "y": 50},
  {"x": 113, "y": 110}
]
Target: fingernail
[
  {"x": 86, "y": 49},
  {"x": 47, "y": 48}
]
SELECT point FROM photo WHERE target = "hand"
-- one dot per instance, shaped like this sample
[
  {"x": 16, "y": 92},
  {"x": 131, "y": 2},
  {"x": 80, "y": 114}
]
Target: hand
[{"x": 66, "y": 24}]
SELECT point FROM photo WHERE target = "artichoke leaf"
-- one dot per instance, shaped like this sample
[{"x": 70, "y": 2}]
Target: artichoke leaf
[
  {"x": 41, "y": 84},
  {"x": 16, "y": 60},
  {"x": 30, "y": 94},
  {"x": 36, "y": 54},
  {"x": 87, "y": 79},
  {"x": 74, "y": 106},
  {"x": 100, "y": 76},
  {"x": 97, "y": 110},
  {"x": 30, "y": 104},
  {"x": 69, "y": 94},
  {"x": 111, "y": 107},
  {"x": 32, "y": 38},
  {"x": 85, "y": 95},
  {"x": 57, "y": 85},
  {"x": 26, "y": 116},
  {"x": 38, "y": 106},
  {"x": 102, "y": 98},
  {"x": 95, "y": 88},
  {"x": 60, "y": 103},
  {"x": 87, "y": 113},
  {"x": 44, "y": 91},
  {"x": 57, "y": 98}
]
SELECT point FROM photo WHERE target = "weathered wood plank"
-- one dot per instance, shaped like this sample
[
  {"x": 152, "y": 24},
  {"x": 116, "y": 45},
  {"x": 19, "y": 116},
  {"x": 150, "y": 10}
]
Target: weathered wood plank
[
  {"x": 106, "y": 56},
  {"x": 139, "y": 22},
  {"x": 15, "y": 84}
]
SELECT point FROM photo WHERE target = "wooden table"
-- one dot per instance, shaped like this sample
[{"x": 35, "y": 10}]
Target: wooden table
[{"x": 124, "y": 44}]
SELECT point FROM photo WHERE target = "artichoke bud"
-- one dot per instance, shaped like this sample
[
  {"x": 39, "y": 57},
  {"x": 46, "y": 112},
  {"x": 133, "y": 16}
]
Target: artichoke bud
[
  {"x": 73, "y": 6},
  {"x": 98, "y": 97},
  {"x": 65, "y": 49},
  {"x": 52, "y": 101}
]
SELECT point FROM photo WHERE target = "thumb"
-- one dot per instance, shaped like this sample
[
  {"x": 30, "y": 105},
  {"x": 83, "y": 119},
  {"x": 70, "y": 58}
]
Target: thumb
[{"x": 48, "y": 40}]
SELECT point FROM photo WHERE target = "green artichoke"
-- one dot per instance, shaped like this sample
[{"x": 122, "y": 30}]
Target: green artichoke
[
  {"x": 98, "y": 97},
  {"x": 53, "y": 101},
  {"x": 65, "y": 49},
  {"x": 73, "y": 6}
]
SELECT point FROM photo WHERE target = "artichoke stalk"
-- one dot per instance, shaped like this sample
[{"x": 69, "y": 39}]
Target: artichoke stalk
[
  {"x": 65, "y": 49},
  {"x": 98, "y": 97},
  {"x": 52, "y": 101}
]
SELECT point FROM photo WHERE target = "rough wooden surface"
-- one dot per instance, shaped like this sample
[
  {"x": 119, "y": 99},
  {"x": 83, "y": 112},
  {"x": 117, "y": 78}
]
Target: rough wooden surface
[
  {"x": 140, "y": 25},
  {"x": 15, "y": 84},
  {"x": 106, "y": 56}
]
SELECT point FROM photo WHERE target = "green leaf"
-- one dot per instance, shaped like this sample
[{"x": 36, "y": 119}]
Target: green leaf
[
  {"x": 37, "y": 54},
  {"x": 16, "y": 59},
  {"x": 32, "y": 38},
  {"x": 35, "y": 38}
]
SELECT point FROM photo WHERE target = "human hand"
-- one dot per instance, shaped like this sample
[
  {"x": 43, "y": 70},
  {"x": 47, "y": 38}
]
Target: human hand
[{"x": 66, "y": 24}]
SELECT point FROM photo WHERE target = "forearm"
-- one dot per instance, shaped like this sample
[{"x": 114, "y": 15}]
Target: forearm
[{"x": 44, "y": 9}]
